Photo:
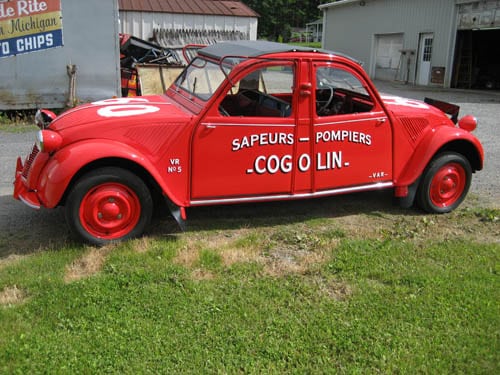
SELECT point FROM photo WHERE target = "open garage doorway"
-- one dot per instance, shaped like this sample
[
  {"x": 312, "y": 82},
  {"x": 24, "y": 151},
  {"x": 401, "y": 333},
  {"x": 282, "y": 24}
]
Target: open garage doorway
[{"x": 477, "y": 60}]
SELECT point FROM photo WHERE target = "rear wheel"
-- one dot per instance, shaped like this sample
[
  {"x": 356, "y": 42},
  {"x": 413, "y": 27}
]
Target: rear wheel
[
  {"x": 109, "y": 204},
  {"x": 445, "y": 183}
]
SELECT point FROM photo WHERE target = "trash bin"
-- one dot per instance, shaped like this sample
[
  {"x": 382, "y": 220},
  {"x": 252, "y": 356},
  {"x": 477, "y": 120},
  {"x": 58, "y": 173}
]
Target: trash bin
[{"x": 437, "y": 74}]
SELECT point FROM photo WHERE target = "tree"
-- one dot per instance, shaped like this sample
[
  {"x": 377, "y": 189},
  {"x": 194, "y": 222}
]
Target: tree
[{"x": 278, "y": 17}]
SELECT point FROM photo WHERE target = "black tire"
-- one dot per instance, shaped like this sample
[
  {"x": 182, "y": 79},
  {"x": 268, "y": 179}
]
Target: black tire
[
  {"x": 108, "y": 205},
  {"x": 445, "y": 183}
]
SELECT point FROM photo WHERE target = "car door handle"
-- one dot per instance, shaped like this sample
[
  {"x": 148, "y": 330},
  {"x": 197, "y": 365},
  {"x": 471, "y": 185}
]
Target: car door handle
[
  {"x": 210, "y": 126},
  {"x": 381, "y": 121}
]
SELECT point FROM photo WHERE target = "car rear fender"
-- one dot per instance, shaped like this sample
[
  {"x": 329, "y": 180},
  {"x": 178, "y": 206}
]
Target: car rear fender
[
  {"x": 436, "y": 141},
  {"x": 69, "y": 163}
]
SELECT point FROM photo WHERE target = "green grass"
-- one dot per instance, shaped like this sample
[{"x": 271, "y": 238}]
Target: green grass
[
  {"x": 17, "y": 121},
  {"x": 307, "y": 44},
  {"x": 9, "y": 126},
  {"x": 368, "y": 303}
]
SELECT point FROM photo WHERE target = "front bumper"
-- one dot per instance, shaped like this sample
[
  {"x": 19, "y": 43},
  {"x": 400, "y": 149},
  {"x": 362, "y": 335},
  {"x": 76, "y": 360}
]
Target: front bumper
[{"x": 21, "y": 190}]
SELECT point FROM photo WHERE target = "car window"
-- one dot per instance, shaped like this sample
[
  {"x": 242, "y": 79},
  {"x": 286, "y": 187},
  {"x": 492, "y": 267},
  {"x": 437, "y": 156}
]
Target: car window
[
  {"x": 264, "y": 92},
  {"x": 340, "y": 92}
]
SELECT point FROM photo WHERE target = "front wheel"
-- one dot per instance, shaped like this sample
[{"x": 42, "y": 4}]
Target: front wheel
[
  {"x": 109, "y": 204},
  {"x": 445, "y": 183}
]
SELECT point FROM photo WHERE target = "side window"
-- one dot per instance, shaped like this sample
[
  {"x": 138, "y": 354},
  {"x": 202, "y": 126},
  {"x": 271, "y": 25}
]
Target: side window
[
  {"x": 265, "y": 92},
  {"x": 340, "y": 92}
]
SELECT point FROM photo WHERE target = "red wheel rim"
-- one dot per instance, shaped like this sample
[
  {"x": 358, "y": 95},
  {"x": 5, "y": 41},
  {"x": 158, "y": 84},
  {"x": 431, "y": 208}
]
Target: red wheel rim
[
  {"x": 447, "y": 185},
  {"x": 110, "y": 211}
]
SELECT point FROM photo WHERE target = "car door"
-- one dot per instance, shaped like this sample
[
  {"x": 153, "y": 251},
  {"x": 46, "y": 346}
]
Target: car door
[
  {"x": 352, "y": 134},
  {"x": 244, "y": 147}
]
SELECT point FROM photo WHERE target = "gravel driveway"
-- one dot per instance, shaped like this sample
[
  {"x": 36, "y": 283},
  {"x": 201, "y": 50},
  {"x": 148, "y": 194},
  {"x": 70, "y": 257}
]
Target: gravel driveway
[{"x": 16, "y": 217}]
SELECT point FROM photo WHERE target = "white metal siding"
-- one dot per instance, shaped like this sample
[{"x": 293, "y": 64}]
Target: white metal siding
[{"x": 142, "y": 24}]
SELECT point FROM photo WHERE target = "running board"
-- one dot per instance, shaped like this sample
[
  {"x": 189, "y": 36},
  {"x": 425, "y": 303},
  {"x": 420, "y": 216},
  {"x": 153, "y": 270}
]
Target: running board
[{"x": 323, "y": 193}]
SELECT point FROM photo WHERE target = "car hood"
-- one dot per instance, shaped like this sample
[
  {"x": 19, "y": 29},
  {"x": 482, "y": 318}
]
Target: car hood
[
  {"x": 111, "y": 114},
  {"x": 412, "y": 108}
]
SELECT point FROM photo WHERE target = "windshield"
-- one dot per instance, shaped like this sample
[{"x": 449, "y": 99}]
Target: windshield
[
  {"x": 339, "y": 79},
  {"x": 201, "y": 78}
]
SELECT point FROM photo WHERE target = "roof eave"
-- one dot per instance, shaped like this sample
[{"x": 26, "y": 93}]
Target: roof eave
[
  {"x": 193, "y": 13},
  {"x": 337, "y": 4}
]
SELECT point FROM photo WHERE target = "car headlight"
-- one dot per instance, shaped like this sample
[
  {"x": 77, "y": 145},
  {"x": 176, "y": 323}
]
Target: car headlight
[
  {"x": 43, "y": 118},
  {"x": 48, "y": 141}
]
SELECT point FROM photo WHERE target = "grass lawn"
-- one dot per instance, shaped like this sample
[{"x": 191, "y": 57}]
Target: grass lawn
[
  {"x": 358, "y": 294},
  {"x": 16, "y": 125},
  {"x": 307, "y": 44}
]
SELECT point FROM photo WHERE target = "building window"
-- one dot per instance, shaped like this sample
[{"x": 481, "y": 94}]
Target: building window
[{"x": 427, "y": 49}]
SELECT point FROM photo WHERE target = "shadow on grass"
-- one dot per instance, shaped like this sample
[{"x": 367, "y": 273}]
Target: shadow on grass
[
  {"x": 26, "y": 231},
  {"x": 256, "y": 215}
]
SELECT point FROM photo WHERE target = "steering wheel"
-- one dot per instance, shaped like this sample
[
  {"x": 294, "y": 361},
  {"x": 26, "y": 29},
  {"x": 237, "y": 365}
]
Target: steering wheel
[
  {"x": 324, "y": 108},
  {"x": 223, "y": 111}
]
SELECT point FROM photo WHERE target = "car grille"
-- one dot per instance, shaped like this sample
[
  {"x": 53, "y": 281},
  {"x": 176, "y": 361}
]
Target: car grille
[
  {"x": 414, "y": 126},
  {"x": 29, "y": 161}
]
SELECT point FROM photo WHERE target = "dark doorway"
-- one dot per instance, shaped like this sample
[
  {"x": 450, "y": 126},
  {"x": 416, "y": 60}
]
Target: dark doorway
[{"x": 477, "y": 60}]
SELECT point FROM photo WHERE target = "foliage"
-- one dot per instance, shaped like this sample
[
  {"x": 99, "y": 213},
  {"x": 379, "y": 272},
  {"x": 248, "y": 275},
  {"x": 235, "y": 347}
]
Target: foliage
[
  {"x": 307, "y": 44},
  {"x": 16, "y": 121},
  {"x": 278, "y": 17},
  {"x": 3, "y": 119}
]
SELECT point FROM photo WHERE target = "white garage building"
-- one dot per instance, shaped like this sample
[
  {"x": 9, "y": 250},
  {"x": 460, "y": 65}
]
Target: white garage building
[{"x": 447, "y": 43}]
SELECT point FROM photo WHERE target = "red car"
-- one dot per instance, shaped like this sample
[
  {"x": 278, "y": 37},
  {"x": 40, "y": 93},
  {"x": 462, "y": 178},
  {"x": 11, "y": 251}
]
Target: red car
[{"x": 246, "y": 122}]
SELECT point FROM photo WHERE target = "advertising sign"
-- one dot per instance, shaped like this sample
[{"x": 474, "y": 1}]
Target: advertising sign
[{"x": 29, "y": 25}]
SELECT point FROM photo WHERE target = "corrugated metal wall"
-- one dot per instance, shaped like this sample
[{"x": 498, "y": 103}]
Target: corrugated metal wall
[
  {"x": 353, "y": 29},
  {"x": 142, "y": 24},
  {"x": 40, "y": 79},
  {"x": 479, "y": 15}
]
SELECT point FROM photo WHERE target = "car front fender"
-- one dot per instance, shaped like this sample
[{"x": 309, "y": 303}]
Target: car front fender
[
  {"x": 438, "y": 140},
  {"x": 65, "y": 164}
]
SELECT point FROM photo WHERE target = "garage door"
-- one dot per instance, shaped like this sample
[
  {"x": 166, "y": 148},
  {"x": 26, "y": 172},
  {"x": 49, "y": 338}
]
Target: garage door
[{"x": 387, "y": 55}]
